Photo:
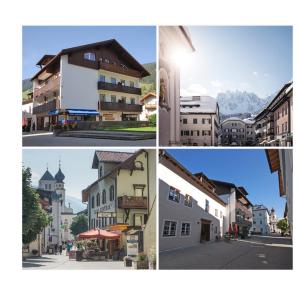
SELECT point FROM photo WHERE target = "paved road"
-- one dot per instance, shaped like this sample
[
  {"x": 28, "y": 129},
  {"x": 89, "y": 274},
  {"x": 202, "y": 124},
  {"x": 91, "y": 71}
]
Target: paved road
[
  {"x": 254, "y": 253},
  {"x": 62, "y": 262},
  {"x": 48, "y": 139}
]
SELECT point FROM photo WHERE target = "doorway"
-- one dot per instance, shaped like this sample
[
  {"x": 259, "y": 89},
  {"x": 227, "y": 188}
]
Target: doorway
[{"x": 205, "y": 231}]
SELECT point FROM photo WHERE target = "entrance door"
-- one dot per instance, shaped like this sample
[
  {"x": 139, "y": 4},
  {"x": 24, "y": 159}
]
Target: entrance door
[{"x": 205, "y": 231}]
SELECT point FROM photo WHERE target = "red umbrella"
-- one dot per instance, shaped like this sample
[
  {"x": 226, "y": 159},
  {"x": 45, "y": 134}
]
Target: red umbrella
[
  {"x": 98, "y": 234},
  {"x": 236, "y": 230}
]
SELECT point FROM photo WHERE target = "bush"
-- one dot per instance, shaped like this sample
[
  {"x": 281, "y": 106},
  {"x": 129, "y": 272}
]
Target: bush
[{"x": 152, "y": 120}]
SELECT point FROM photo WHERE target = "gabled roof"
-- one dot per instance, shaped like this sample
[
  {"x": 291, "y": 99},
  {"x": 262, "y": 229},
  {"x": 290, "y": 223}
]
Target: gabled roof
[
  {"x": 200, "y": 104},
  {"x": 47, "y": 176},
  {"x": 45, "y": 59},
  {"x": 113, "y": 43},
  {"x": 147, "y": 96},
  {"x": 109, "y": 157}
]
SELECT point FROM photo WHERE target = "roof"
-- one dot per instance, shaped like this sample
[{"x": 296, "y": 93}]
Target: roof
[
  {"x": 47, "y": 176},
  {"x": 260, "y": 207},
  {"x": 233, "y": 119},
  {"x": 200, "y": 104},
  {"x": 148, "y": 95},
  {"x": 59, "y": 176},
  {"x": 186, "y": 34},
  {"x": 194, "y": 179},
  {"x": 109, "y": 156},
  {"x": 112, "y": 42},
  {"x": 45, "y": 59}
]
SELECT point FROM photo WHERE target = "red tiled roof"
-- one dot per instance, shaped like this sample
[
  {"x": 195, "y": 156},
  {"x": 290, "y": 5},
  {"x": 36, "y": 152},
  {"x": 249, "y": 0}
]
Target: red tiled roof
[{"x": 110, "y": 156}]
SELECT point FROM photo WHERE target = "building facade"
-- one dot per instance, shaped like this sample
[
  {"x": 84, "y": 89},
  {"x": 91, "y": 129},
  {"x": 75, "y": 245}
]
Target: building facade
[
  {"x": 149, "y": 103},
  {"x": 88, "y": 82},
  {"x": 120, "y": 198},
  {"x": 281, "y": 161},
  {"x": 273, "y": 222},
  {"x": 199, "y": 121},
  {"x": 238, "y": 207},
  {"x": 261, "y": 220},
  {"x": 274, "y": 124},
  {"x": 190, "y": 211},
  {"x": 58, "y": 231},
  {"x": 172, "y": 39},
  {"x": 237, "y": 132}
]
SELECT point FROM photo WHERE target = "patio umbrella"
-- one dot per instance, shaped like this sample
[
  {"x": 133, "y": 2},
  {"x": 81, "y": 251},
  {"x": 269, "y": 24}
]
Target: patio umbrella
[
  {"x": 98, "y": 234},
  {"x": 230, "y": 230}
]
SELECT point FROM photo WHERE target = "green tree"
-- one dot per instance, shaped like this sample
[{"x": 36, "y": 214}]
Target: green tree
[
  {"x": 79, "y": 224},
  {"x": 283, "y": 225},
  {"x": 34, "y": 218}
]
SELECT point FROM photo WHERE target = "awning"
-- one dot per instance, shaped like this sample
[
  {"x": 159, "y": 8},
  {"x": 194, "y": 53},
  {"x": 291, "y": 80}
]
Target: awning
[
  {"x": 53, "y": 112},
  {"x": 82, "y": 112},
  {"x": 98, "y": 234}
]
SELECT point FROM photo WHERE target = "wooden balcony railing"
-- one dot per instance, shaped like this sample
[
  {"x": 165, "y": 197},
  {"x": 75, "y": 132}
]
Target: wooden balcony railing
[
  {"x": 46, "y": 107},
  {"x": 119, "y": 69},
  {"x": 115, "y": 106},
  {"x": 118, "y": 88},
  {"x": 132, "y": 202},
  {"x": 244, "y": 210},
  {"x": 50, "y": 86}
]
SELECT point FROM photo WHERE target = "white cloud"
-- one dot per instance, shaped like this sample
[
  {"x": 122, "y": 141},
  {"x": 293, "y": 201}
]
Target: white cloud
[
  {"x": 35, "y": 177},
  {"x": 194, "y": 89}
]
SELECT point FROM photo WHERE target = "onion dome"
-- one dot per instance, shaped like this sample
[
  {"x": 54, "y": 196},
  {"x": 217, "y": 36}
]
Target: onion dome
[
  {"x": 47, "y": 176},
  {"x": 59, "y": 177}
]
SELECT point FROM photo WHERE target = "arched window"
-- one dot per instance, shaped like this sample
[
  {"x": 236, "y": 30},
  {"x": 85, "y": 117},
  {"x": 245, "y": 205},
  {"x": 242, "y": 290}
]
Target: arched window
[
  {"x": 98, "y": 199},
  {"x": 93, "y": 202},
  {"x": 103, "y": 197},
  {"x": 111, "y": 193}
]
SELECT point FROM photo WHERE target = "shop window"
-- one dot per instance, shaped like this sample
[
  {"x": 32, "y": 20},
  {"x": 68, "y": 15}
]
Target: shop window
[
  {"x": 185, "y": 229},
  {"x": 174, "y": 194},
  {"x": 169, "y": 228}
]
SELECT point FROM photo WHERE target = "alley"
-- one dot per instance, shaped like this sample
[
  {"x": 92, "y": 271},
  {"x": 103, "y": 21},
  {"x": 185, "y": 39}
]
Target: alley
[{"x": 254, "y": 253}]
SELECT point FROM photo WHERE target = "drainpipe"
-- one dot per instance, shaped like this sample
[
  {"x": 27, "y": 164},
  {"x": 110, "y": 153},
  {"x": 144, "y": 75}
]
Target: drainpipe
[{"x": 147, "y": 156}]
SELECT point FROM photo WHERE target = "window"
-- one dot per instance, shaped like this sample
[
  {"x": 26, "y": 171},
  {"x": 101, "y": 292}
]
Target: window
[
  {"x": 205, "y": 132},
  {"x": 254, "y": 222},
  {"x": 93, "y": 202},
  {"x": 216, "y": 213},
  {"x": 122, "y": 82},
  {"x": 98, "y": 199},
  {"x": 181, "y": 133},
  {"x": 188, "y": 200},
  {"x": 102, "y": 97},
  {"x": 194, "y": 121},
  {"x": 221, "y": 215},
  {"x": 113, "y": 80},
  {"x": 103, "y": 197},
  {"x": 184, "y": 121},
  {"x": 111, "y": 193},
  {"x": 206, "y": 205},
  {"x": 131, "y": 83},
  {"x": 185, "y": 229},
  {"x": 132, "y": 101},
  {"x": 102, "y": 78},
  {"x": 100, "y": 172},
  {"x": 286, "y": 127},
  {"x": 198, "y": 132},
  {"x": 260, "y": 222},
  {"x": 113, "y": 98},
  {"x": 174, "y": 194},
  {"x": 89, "y": 56},
  {"x": 169, "y": 228}
]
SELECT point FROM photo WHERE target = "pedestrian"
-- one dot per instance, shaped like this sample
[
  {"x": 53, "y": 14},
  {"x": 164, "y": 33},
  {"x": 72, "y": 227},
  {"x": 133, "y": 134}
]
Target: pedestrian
[
  {"x": 55, "y": 248},
  {"x": 60, "y": 249}
]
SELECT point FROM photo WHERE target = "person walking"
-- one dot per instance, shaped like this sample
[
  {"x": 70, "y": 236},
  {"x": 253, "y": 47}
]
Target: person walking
[
  {"x": 55, "y": 248},
  {"x": 60, "y": 249}
]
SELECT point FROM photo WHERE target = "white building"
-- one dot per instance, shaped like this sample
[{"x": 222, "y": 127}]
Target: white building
[
  {"x": 149, "y": 103},
  {"x": 190, "y": 211},
  {"x": 199, "y": 121},
  {"x": 174, "y": 42},
  {"x": 261, "y": 220},
  {"x": 58, "y": 231},
  {"x": 88, "y": 82}
]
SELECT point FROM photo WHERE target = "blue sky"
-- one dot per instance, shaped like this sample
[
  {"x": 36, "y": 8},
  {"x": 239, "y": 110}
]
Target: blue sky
[
  {"x": 76, "y": 164},
  {"x": 248, "y": 168},
  {"x": 139, "y": 41},
  {"x": 248, "y": 58}
]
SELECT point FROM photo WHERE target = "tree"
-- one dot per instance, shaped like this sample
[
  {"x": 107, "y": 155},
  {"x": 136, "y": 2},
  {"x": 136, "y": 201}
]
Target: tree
[
  {"x": 283, "y": 226},
  {"x": 79, "y": 224},
  {"x": 34, "y": 218}
]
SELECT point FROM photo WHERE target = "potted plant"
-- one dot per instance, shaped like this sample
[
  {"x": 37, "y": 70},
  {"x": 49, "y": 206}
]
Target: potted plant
[
  {"x": 34, "y": 252},
  {"x": 141, "y": 262},
  {"x": 79, "y": 251}
]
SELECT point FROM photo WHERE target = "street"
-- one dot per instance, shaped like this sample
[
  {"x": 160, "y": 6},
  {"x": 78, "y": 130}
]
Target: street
[
  {"x": 48, "y": 139},
  {"x": 62, "y": 262},
  {"x": 254, "y": 253}
]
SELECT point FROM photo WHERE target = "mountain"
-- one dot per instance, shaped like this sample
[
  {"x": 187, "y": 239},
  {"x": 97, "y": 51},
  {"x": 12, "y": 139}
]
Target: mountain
[
  {"x": 26, "y": 84},
  {"x": 75, "y": 203},
  {"x": 235, "y": 102}
]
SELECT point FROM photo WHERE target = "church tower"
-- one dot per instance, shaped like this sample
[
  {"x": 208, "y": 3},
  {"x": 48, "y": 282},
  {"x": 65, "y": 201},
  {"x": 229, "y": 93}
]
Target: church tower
[{"x": 47, "y": 181}]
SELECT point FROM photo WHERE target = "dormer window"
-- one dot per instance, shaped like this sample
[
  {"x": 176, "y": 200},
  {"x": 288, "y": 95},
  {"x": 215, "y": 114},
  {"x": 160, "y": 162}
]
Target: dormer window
[{"x": 90, "y": 56}]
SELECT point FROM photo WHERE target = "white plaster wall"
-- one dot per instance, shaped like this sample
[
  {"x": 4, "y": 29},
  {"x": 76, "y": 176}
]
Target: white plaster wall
[{"x": 78, "y": 86}]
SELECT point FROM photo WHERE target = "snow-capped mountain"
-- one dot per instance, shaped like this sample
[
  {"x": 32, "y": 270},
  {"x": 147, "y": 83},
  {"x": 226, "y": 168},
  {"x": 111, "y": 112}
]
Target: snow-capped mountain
[{"x": 233, "y": 102}]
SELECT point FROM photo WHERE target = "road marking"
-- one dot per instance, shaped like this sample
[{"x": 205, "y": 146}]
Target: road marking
[{"x": 37, "y": 134}]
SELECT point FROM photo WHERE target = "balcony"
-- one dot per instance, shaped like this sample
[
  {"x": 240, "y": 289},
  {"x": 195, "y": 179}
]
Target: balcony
[
  {"x": 150, "y": 106},
  {"x": 132, "y": 202},
  {"x": 49, "y": 86},
  {"x": 242, "y": 209},
  {"x": 46, "y": 107},
  {"x": 115, "y": 106},
  {"x": 118, "y": 88},
  {"x": 119, "y": 69},
  {"x": 270, "y": 131}
]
